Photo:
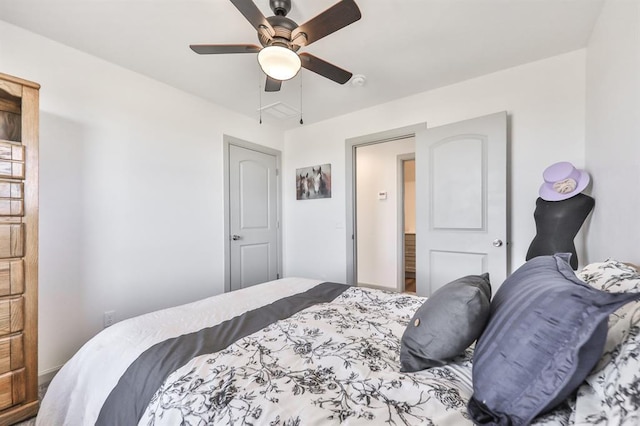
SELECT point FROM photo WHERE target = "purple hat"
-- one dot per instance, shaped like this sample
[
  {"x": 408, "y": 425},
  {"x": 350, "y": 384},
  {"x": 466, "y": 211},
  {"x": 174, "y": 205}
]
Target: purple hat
[{"x": 562, "y": 181}]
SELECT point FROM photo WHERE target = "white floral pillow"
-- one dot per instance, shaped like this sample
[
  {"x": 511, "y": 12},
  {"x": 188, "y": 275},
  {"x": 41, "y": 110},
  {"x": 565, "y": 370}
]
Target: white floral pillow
[
  {"x": 611, "y": 393},
  {"x": 615, "y": 277},
  {"x": 611, "y": 275}
]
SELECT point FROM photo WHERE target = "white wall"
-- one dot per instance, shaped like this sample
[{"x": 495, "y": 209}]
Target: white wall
[
  {"x": 546, "y": 105},
  {"x": 131, "y": 217},
  {"x": 613, "y": 131},
  {"x": 377, "y": 170}
]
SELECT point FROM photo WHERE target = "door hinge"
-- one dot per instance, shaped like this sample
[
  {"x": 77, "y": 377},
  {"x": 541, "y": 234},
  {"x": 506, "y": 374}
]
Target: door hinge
[{"x": 277, "y": 172}]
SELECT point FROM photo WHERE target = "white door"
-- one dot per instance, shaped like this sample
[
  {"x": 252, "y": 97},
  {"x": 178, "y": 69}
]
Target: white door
[
  {"x": 253, "y": 217},
  {"x": 461, "y": 204}
]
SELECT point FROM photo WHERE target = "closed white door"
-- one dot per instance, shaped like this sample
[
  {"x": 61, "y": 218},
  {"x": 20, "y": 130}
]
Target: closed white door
[
  {"x": 461, "y": 203},
  {"x": 253, "y": 221}
]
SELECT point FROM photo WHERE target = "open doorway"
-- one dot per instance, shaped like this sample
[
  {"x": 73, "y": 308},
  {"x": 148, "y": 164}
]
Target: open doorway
[
  {"x": 380, "y": 213},
  {"x": 352, "y": 145}
]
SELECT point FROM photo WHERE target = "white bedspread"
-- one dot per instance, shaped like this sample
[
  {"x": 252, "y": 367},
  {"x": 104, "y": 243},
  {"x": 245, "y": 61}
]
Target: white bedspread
[{"x": 77, "y": 393}]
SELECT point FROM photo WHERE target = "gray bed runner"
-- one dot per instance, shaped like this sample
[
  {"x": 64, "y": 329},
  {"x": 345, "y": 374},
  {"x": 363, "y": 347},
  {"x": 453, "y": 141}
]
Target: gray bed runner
[{"x": 128, "y": 400}]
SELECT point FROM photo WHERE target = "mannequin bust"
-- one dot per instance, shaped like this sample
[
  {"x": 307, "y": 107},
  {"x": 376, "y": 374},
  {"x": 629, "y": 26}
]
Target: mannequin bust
[
  {"x": 557, "y": 223},
  {"x": 560, "y": 211}
]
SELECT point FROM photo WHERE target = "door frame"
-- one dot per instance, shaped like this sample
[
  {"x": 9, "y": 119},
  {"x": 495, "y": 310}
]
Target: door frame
[
  {"x": 227, "y": 141},
  {"x": 350, "y": 186}
]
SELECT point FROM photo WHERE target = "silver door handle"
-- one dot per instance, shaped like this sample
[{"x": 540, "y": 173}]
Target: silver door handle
[
  {"x": 236, "y": 237},
  {"x": 497, "y": 242}
]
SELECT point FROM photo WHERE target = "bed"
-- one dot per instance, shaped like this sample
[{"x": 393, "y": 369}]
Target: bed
[{"x": 298, "y": 352}]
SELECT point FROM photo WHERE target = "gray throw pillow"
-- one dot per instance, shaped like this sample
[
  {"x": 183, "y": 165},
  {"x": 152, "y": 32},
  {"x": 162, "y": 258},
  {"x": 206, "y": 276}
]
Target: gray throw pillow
[
  {"x": 446, "y": 323},
  {"x": 546, "y": 332}
]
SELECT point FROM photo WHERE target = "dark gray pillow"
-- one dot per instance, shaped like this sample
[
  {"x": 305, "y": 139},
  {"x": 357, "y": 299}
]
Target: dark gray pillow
[
  {"x": 546, "y": 332},
  {"x": 446, "y": 323}
]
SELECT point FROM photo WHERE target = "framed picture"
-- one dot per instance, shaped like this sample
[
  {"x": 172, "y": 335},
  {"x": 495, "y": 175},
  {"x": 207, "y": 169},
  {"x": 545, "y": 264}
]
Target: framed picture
[{"x": 313, "y": 182}]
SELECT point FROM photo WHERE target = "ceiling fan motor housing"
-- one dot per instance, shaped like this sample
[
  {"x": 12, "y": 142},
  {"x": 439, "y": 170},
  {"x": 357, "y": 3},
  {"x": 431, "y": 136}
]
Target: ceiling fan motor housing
[
  {"x": 280, "y": 7},
  {"x": 283, "y": 27}
]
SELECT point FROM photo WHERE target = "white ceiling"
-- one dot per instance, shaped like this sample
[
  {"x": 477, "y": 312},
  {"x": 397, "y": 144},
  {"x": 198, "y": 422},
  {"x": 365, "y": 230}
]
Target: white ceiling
[{"x": 401, "y": 46}]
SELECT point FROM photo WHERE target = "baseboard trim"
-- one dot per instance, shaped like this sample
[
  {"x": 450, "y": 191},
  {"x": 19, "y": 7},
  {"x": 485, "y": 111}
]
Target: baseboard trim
[{"x": 47, "y": 375}]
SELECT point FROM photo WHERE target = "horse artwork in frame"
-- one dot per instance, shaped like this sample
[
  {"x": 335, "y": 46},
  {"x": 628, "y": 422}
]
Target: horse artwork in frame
[{"x": 313, "y": 182}]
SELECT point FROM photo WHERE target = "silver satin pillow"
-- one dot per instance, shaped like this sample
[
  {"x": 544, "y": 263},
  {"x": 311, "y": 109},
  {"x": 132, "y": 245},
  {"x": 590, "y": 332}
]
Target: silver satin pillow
[{"x": 446, "y": 323}]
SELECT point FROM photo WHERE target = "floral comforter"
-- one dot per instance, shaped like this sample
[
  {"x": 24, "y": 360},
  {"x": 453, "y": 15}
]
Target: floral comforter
[{"x": 334, "y": 362}]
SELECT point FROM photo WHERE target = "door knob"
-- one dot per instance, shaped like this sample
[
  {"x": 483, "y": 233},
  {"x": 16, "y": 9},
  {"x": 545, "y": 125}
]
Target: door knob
[
  {"x": 236, "y": 237},
  {"x": 497, "y": 242}
]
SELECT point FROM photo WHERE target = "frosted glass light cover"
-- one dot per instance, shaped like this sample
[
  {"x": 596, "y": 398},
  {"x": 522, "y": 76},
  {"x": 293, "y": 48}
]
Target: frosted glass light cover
[{"x": 279, "y": 62}]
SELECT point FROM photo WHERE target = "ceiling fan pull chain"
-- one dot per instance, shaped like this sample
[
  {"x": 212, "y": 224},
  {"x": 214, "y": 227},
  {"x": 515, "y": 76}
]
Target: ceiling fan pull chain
[
  {"x": 260, "y": 97},
  {"x": 301, "y": 122}
]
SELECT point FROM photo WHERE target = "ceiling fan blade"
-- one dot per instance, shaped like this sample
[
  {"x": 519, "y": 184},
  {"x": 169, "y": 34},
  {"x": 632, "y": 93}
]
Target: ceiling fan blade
[
  {"x": 324, "y": 68},
  {"x": 251, "y": 12},
  {"x": 272, "y": 85},
  {"x": 211, "y": 49},
  {"x": 331, "y": 20}
]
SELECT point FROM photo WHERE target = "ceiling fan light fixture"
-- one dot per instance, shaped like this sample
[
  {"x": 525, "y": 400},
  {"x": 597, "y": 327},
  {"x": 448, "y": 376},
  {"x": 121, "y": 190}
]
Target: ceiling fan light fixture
[{"x": 279, "y": 63}]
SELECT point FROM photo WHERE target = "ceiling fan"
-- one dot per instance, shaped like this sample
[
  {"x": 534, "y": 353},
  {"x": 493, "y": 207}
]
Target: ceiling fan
[{"x": 281, "y": 38}]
